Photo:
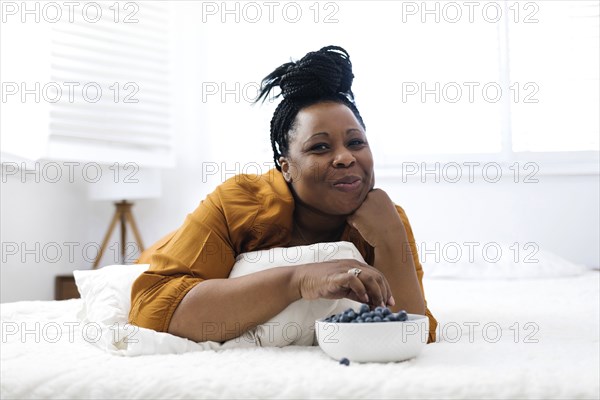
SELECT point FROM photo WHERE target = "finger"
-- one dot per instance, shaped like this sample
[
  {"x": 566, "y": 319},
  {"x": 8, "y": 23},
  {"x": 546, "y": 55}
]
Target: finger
[
  {"x": 373, "y": 287},
  {"x": 375, "y": 290},
  {"x": 390, "y": 296},
  {"x": 352, "y": 296},
  {"x": 386, "y": 290},
  {"x": 384, "y": 285},
  {"x": 356, "y": 285}
]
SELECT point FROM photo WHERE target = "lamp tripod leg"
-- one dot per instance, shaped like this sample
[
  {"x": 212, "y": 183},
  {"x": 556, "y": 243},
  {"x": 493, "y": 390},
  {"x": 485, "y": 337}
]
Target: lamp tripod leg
[
  {"x": 123, "y": 235},
  {"x": 136, "y": 232},
  {"x": 111, "y": 227}
]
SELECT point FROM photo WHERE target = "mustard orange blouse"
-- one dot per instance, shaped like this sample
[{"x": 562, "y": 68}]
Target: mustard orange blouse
[{"x": 245, "y": 213}]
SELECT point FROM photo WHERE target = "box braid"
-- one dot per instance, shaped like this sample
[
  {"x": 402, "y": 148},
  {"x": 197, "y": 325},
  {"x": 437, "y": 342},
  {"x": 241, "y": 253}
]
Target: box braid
[{"x": 324, "y": 75}]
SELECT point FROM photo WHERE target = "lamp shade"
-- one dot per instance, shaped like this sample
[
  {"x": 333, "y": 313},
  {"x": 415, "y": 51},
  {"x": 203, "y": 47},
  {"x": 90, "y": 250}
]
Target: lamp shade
[{"x": 125, "y": 183}]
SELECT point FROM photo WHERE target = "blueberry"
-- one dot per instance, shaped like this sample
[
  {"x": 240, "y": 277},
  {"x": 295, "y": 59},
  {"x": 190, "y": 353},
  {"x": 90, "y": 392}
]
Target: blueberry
[
  {"x": 359, "y": 320},
  {"x": 386, "y": 311},
  {"x": 363, "y": 309},
  {"x": 368, "y": 319},
  {"x": 344, "y": 318},
  {"x": 386, "y": 319},
  {"x": 380, "y": 309},
  {"x": 378, "y": 314},
  {"x": 402, "y": 316},
  {"x": 344, "y": 361},
  {"x": 351, "y": 314},
  {"x": 377, "y": 319}
]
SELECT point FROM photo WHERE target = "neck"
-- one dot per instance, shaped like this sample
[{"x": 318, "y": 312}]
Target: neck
[{"x": 316, "y": 226}]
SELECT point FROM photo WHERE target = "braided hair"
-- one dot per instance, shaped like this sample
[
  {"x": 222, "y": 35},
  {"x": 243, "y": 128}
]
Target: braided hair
[{"x": 324, "y": 75}]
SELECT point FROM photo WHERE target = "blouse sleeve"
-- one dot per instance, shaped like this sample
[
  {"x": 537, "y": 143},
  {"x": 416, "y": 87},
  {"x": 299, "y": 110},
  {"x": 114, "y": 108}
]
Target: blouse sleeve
[
  {"x": 202, "y": 248},
  {"x": 413, "y": 247}
]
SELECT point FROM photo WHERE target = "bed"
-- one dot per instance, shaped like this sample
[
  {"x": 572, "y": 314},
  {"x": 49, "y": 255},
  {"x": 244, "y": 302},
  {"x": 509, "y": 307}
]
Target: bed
[{"x": 497, "y": 338}]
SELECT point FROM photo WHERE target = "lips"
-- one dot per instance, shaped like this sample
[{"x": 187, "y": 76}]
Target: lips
[{"x": 348, "y": 183}]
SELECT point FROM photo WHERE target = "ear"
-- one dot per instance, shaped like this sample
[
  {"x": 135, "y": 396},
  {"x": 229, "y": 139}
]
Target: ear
[{"x": 285, "y": 169}]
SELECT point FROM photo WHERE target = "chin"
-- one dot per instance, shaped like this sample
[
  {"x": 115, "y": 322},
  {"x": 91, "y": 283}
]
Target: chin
[{"x": 345, "y": 209}]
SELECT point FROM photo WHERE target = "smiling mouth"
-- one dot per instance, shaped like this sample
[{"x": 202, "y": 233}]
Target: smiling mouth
[{"x": 348, "y": 186}]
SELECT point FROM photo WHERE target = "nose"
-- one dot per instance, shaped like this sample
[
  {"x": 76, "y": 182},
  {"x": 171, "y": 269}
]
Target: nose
[{"x": 343, "y": 159}]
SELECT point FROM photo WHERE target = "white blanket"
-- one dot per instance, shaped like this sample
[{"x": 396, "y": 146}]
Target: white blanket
[{"x": 546, "y": 347}]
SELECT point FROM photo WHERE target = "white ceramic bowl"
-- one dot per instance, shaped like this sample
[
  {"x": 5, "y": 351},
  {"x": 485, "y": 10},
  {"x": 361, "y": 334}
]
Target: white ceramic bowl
[{"x": 374, "y": 341}]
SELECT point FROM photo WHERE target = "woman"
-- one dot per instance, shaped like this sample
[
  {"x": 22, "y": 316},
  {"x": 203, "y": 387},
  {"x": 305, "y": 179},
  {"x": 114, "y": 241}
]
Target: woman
[{"x": 322, "y": 190}]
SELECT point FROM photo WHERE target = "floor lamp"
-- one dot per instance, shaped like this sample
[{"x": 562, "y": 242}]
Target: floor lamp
[
  {"x": 147, "y": 184},
  {"x": 123, "y": 215}
]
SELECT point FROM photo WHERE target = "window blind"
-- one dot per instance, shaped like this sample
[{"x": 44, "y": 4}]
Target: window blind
[{"x": 105, "y": 85}]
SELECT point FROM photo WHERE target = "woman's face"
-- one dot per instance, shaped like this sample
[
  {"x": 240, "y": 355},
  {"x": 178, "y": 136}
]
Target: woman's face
[{"x": 329, "y": 162}]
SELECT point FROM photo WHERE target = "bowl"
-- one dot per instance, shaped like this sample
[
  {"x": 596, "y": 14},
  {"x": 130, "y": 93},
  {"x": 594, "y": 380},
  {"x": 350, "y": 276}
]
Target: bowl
[{"x": 373, "y": 341}]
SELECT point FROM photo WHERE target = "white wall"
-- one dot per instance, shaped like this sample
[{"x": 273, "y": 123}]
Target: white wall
[{"x": 560, "y": 213}]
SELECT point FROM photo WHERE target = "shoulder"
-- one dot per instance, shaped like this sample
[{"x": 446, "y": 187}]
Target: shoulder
[
  {"x": 247, "y": 189},
  {"x": 254, "y": 208},
  {"x": 247, "y": 200}
]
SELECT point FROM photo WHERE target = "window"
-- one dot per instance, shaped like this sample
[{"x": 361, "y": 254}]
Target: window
[
  {"x": 559, "y": 54},
  {"x": 497, "y": 80},
  {"x": 87, "y": 81}
]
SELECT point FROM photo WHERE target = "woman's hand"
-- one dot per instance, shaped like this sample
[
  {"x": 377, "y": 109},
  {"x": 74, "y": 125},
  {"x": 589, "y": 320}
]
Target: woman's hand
[
  {"x": 376, "y": 218},
  {"x": 331, "y": 280}
]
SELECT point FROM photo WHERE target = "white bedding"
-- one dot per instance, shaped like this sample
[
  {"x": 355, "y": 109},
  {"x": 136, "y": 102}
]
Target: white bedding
[{"x": 564, "y": 363}]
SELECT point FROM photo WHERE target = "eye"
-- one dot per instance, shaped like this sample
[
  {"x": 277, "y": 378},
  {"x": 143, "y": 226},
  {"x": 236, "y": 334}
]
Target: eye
[
  {"x": 319, "y": 147},
  {"x": 357, "y": 142}
]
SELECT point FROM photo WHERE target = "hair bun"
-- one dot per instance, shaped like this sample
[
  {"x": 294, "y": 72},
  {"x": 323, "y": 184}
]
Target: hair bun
[{"x": 318, "y": 74}]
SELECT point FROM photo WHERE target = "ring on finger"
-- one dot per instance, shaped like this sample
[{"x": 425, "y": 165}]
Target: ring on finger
[{"x": 355, "y": 271}]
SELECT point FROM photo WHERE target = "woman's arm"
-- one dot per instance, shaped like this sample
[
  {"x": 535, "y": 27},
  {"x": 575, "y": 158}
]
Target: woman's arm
[
  {"x": 223, "y": 309},
  {"x": 397, "y": 265},
  {"x": 378, "y": 222}
]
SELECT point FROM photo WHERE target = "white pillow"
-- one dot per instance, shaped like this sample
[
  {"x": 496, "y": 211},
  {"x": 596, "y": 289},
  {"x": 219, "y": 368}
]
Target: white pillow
[
  {"x": 295, "y": 325},
  {"x": 106, "y": 292},
  {"x": 497, "y": 261},
  {"x": 106, "y": 295}
]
